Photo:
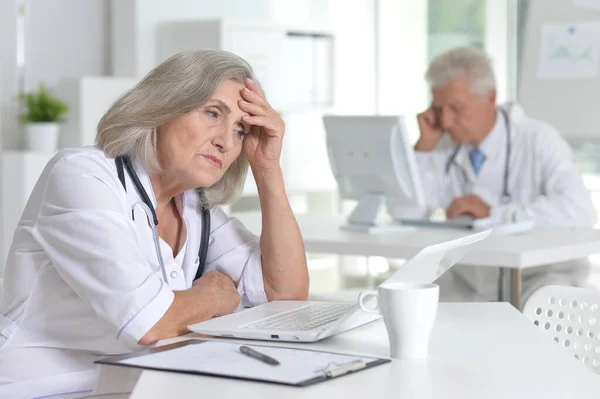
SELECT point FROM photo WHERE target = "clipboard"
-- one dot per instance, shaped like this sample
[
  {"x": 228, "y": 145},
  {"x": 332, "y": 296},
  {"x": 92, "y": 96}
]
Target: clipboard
[{"x": 298, "y": 367}]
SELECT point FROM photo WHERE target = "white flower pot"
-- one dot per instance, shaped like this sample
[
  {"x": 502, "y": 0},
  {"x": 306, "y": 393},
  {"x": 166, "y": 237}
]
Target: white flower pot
[{"x": 41, "y": 137}]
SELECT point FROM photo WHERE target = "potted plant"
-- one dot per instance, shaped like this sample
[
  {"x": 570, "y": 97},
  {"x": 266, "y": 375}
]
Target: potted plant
[{"x": 42, "y": 117}]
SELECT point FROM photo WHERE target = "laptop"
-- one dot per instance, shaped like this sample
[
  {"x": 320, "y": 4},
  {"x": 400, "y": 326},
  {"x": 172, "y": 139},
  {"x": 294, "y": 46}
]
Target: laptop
[{"x": 308, "y": 321}]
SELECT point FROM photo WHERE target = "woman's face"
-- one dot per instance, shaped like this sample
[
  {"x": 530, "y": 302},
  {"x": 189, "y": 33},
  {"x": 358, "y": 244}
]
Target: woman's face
[{"x": 198, "y": 148}]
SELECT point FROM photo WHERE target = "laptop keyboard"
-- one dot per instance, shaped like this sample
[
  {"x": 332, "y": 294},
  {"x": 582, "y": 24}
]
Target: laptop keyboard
[{"x": 306, "y": 318}]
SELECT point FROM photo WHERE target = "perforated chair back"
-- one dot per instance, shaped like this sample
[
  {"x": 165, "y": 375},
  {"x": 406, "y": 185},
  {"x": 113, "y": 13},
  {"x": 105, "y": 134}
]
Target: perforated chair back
[{"x": 572, "y": 316}]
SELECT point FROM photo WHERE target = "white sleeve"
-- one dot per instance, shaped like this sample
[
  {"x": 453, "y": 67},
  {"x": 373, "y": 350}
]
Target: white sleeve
[
  {"x": 92, "y": 242},
  {"x": 432, "y": 170},
  {"x": 235, "y": 252},
  {"x": 564, "y": 201}
]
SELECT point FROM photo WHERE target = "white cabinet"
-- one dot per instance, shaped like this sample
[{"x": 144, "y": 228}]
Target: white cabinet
[
  {"x": 294, "y": 67},
  {"x": 88, "y": 99},
  {"x": 261, "y": 47}
]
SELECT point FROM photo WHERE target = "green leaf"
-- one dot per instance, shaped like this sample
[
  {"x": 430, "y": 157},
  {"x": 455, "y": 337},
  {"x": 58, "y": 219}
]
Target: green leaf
[{"x": 42, "y": 106}]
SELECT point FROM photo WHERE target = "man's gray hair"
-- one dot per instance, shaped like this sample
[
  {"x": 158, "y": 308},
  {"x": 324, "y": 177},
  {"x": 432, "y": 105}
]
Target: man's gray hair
[
  {"x": 176, "y": 87},
  {"x": 470, "y": 62}
]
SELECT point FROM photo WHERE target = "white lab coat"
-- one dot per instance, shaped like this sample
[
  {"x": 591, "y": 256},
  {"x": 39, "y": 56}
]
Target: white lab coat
[
  {"x": 543, "y": 182},
  {"x": 82, "y": 278}
]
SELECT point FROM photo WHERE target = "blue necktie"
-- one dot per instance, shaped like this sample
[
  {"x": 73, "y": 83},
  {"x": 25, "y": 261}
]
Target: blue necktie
[{"x": 477, "y": 159}]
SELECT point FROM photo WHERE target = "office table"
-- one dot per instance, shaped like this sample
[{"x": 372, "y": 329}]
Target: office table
[
  {"x": 477, "y": 350},
  {"x": 321, "y": 234}
]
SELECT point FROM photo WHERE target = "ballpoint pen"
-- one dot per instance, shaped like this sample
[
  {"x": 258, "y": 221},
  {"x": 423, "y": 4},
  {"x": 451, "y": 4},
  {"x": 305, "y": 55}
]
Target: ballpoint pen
[{"x": 259, "y": 356}]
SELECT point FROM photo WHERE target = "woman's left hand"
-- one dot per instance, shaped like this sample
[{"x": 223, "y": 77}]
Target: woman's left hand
[{"x": 262, "y": 146}]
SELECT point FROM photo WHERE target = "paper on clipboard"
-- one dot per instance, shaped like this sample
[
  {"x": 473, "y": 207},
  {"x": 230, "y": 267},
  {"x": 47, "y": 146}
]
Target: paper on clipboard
[{"x": 219, "y": 358}]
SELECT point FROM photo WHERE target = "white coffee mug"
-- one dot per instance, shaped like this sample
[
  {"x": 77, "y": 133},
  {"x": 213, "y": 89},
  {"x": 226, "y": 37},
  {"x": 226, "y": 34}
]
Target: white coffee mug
[{"x": 409, "y": 311}]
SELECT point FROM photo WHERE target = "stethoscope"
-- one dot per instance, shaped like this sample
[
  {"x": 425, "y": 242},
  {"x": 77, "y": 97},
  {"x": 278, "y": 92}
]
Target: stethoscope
[
  {"x": 506, "y": 196},
  {"x": 123, "y": 162}
]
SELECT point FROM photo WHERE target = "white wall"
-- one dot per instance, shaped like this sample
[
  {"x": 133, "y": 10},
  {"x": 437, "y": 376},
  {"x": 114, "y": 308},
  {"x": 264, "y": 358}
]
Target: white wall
[
  {"x": 497, "y": 44},
  {"x": 149, "y": 14},
  {"x": 64, "y": 39},
  {"x": 351, "y": 20},
  {"x": 8, "y": 66},
  {"x": 8, "y": 87},
  {"x": 402, "y": 59},
  {"x": 135, "y": 23},
  {"x": 354, "y": 24}
]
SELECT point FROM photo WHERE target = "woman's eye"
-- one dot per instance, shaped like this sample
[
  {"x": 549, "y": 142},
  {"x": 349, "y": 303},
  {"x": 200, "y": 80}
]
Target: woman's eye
[
  {"x": 241, "y": 133},
  {"x": 213, "y": 114}
]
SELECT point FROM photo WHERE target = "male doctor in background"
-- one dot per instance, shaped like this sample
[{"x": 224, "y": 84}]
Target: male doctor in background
[{"x": 495, "y": 161}]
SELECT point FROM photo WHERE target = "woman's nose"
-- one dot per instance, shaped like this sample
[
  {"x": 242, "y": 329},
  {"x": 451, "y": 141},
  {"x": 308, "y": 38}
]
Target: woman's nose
[{"x": 223, "y": 140}]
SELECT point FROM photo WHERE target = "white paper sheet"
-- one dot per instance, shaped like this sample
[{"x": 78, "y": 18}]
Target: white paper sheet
[
  {"x": 592, "y": 4},
  {"x": 569, "y": 51},
  {"x": 224, "y": 358}
]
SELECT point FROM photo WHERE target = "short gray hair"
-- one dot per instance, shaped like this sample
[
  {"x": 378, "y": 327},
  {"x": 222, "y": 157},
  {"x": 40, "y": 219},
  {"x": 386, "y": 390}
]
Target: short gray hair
[
  {"x": 470, "y": 62},
  {"x": 176, "y": 87}
]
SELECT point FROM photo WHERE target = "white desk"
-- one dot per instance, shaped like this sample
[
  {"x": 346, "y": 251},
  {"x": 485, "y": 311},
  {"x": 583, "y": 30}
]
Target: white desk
[
  {"x": 477, "y": 350},
  {"x": 321, "y": 234}
]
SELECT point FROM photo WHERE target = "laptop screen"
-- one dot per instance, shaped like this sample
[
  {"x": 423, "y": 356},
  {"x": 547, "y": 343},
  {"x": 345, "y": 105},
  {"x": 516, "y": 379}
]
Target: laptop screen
[{"x": 433, "y": 261}]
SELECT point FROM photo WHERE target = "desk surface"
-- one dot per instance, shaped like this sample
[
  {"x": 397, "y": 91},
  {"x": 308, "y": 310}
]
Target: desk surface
[
  {"x": 322, "y": 234},
  {"x": 477, "y": 350}
]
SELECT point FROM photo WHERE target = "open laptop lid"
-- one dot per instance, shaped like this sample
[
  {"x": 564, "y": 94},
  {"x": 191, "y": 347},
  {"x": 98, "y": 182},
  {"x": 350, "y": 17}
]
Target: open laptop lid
[{"x": 433, "y": 261}]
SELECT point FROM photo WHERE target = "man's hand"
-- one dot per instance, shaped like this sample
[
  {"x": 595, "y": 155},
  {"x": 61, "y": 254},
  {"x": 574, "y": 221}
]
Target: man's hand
[
  {"x": 470, "y": 205},
  {"x": 431, "y": 133}
]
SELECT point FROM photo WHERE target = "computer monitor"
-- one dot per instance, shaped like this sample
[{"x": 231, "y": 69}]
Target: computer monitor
[{"x": 373, "y": 162}]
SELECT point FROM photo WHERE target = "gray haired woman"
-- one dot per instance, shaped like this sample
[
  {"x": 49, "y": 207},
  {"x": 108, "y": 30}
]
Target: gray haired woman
[{"x": 113, "y": 252}]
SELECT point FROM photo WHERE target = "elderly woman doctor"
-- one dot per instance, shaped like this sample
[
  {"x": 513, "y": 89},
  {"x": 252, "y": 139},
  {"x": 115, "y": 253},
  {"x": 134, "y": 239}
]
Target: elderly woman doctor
[{"x": 87, "y": 276}]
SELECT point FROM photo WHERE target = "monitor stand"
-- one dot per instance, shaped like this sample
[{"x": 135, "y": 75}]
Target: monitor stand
[{"x": 364, "y": 217}]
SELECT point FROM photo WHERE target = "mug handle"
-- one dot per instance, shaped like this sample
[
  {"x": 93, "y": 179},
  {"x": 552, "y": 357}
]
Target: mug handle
[{"x": 363, "y": 297}]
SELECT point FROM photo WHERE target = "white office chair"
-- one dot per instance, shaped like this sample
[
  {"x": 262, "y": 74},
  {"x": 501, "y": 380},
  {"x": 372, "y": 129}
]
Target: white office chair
[{"x": 572, "y": 316}]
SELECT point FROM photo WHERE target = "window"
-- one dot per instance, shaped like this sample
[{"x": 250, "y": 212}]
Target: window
[
  {"x": 455, "y": 23},
  {"x": 412, "y": 32}
]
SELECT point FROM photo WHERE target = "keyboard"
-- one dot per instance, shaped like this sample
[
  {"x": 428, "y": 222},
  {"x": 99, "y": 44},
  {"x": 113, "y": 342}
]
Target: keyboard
[
  {"x": 460, "y": 222},
  {"x": 306, "y": 318}
]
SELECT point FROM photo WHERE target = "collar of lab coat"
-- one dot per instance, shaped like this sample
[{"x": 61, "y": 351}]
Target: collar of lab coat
[
  {"x": 516, "y": 113},
  {"x": 495, "y": 139},
  {"x": 489, "y": 146}
]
